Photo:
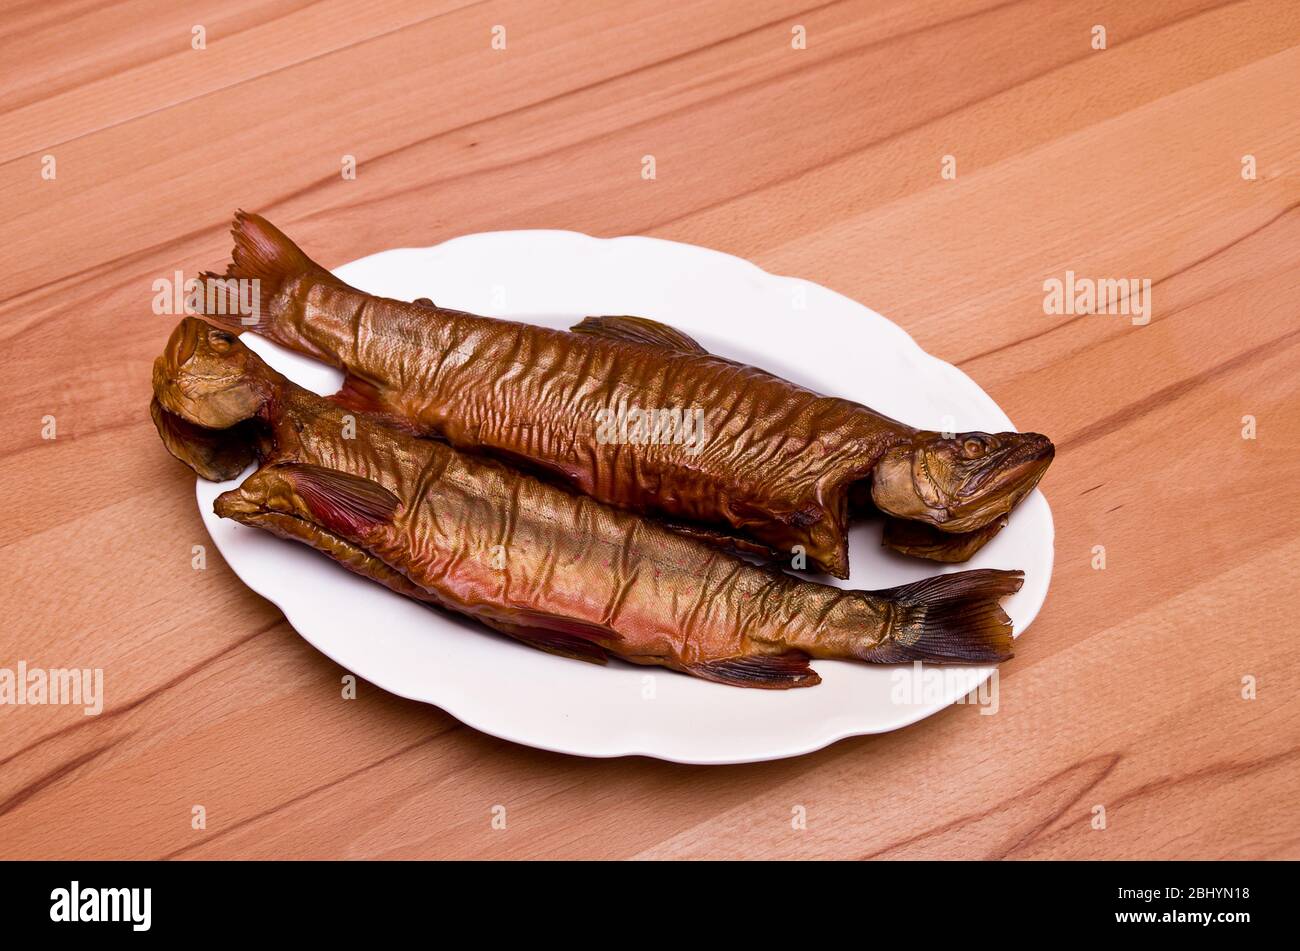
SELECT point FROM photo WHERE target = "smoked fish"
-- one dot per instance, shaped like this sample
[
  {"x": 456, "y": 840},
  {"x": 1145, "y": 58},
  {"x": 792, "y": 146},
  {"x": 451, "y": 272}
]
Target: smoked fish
[
  {"x": 717, "y": 448},
  {"x": 554, "y": 569}
]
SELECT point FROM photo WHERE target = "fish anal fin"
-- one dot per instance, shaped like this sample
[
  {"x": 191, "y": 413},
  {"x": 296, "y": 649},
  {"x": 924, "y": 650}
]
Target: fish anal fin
[
  {"x": 552, "y": 642},
  {"x": 566, "y": 637},
  {"x": 341, "y": 502},
  {"x": 769, "y": 671},
  {"x": 629, "y": 329}
]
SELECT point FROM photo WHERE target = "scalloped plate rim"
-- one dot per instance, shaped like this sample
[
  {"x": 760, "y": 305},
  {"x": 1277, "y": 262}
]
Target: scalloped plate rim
[{"x": 662, "y": 747}]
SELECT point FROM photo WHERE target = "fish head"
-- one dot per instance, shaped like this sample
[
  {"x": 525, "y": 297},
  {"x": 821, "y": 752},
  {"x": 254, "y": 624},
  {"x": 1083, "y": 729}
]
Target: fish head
[
  {"x": 207, "y": 390},
  {"x": 208, "y": 377},
  {"x": 962, "y": 482}
]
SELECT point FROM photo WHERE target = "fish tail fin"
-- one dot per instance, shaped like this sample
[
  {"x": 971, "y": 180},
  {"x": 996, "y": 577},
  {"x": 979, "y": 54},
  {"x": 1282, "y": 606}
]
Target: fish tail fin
[
  {"x": 950, "y": 619},
  {"x": 264, "y": 252},
  {"x": 262, "y": 260}
]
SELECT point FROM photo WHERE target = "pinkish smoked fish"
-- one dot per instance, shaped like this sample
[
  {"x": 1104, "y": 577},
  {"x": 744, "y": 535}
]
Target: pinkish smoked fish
[{"x": 559, "y": 571}]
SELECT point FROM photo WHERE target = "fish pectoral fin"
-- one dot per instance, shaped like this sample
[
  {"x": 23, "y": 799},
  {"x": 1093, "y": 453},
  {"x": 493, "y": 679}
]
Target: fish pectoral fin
[
  {"x": 360, "y": 395},
  {"x": 629, "y": 329},
  {"x": 920, "y": 540},
  {"x": 341, "y": 502},
  {"x": 772, "y": 671}
]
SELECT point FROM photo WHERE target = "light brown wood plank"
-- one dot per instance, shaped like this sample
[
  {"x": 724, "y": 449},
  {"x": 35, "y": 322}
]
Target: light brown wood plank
[{"x": 823, "y": 163}]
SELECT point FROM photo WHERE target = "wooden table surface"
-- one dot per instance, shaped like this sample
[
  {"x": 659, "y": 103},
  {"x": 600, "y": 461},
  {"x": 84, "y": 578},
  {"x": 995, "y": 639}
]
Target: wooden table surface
[{"x": 1161, "y": 688}]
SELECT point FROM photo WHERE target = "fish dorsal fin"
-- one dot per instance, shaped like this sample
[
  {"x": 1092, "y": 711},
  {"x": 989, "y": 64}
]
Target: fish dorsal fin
[
  {"x": 630, "y": 329},
  {"x": 341, "y": 501}
]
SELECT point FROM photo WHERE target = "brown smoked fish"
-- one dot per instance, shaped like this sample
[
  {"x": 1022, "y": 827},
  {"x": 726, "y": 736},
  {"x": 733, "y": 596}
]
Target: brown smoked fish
[{"x": 737, "y": 453}]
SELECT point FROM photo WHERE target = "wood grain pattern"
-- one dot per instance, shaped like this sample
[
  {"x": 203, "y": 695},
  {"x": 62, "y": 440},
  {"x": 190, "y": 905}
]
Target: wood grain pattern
[{"x": 822, "y": 162}]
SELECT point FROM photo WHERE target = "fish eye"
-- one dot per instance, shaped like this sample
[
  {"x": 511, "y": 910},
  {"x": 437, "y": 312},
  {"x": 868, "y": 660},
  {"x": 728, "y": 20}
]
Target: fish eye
[
  {"x": 972, "y": 447},
  {"x": 220, "y": 340}
]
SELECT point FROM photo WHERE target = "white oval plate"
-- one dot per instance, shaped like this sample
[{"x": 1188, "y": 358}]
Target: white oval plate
[{"x": 794, "y": 328}]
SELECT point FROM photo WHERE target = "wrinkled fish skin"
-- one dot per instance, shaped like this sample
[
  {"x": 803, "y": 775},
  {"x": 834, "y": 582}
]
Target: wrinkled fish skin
[
  {"x": 559, "y": 571},
  {"x": 774, "y": 465}
]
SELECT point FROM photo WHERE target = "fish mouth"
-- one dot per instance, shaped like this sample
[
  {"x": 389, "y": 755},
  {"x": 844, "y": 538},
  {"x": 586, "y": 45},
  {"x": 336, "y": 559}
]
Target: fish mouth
[
  {"x": 184, "y": 341},
  {"x": 180, "y": 347},
  {"x": 241, "y": 506},
  {"x": 997, "y": 488},
  {"x": 238, "y": 506},
  {"x": 214, "y": 454}
]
